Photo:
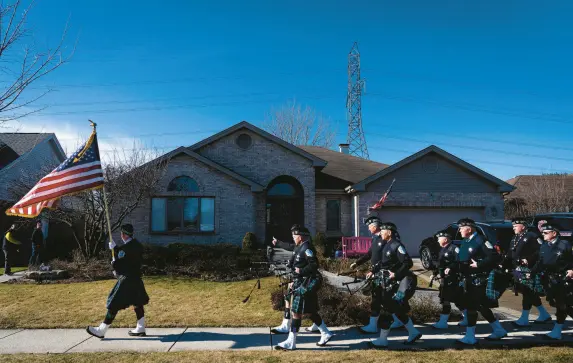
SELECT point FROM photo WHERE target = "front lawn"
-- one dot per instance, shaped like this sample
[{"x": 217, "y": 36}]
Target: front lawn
[
  {"x": 540, "y": 354},
  {"x": 173, "y": 302}
]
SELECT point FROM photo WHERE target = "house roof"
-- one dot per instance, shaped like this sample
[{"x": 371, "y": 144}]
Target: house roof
[
  {"x": 521, "y": 182},
  {"x": 255, "y": 187},
  {"x": 21, "y": 143},
  {"x": 344, "y": 166},
  {"x": 502, "y": 186},
  {"x": 316, "y": 161}
]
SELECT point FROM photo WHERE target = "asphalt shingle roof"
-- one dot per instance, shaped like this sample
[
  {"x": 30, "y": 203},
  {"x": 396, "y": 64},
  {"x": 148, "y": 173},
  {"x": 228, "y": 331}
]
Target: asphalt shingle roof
[{"x": 21, "y": 143}]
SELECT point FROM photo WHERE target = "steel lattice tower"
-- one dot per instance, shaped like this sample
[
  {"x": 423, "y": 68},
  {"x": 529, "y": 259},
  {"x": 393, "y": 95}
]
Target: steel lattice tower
[{"x": 355, "y": 137}]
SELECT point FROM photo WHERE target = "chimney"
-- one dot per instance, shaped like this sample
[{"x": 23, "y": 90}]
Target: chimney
[{"x": 344, "y": 148}]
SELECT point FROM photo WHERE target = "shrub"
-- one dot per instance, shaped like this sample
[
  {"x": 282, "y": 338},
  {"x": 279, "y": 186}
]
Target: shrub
[
  {"x": 319, "y": 244},
  {"x": 249, "y": 241}
]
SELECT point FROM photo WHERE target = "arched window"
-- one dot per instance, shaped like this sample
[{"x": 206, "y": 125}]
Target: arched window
[
  {"x": 183, "y": 184},
  {"x": 282, "y": 189}
]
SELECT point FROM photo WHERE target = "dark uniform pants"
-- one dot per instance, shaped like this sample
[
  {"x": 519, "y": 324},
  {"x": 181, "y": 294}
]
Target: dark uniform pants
[
  {"x": 557, "y": 292},
  {"x": 37, "y": 255},
  {"x": 9, "y": 254}
]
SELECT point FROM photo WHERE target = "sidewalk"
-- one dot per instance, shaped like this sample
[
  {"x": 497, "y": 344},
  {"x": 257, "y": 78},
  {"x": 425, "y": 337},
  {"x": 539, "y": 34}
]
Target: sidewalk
[
  {"x": 16, "y": 276},
  {"x": 185, "y": 339}
]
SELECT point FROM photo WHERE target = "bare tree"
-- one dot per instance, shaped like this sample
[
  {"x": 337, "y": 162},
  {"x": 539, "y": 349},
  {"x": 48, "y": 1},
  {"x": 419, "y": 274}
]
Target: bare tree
[
  {"x": 300, "y": 126},
  {"x": 129, "y": 177},
  {"x": 20, "y": 69},
  {"x": 540, "y": 194}
]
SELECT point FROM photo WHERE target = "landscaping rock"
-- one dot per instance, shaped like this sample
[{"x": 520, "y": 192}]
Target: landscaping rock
[{"x": 47, "y": 275}]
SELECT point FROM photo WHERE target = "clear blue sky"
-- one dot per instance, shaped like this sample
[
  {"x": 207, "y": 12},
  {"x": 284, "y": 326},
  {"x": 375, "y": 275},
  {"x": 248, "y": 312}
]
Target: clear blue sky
[{"x": 436, "y": 71}]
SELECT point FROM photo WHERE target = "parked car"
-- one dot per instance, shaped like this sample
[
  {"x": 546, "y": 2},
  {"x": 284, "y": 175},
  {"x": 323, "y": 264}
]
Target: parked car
[
  {"x": 499, "y": 233},
  {"x": 563, "y": 221}
]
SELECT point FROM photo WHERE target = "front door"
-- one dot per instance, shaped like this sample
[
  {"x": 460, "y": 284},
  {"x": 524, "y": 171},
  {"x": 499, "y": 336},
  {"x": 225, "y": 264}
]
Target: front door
[{"x": 281, "y": 215}]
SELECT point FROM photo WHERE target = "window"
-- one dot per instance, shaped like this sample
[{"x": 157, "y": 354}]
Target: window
[
  {"x": 183, "y": 214},
  {"x": 244, "y": 141},
  {"x": 282, "y": 189},
  {"x": 183, "y": 184},
  {"x": 333, "y": 215}
]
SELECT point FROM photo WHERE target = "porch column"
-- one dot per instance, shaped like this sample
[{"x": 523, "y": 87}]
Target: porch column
[{"x": 356, "y": 216}]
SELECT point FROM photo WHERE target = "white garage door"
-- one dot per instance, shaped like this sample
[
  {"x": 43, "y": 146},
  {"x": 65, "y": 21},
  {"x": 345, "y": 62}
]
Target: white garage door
[{"x": 416, "y": 224}]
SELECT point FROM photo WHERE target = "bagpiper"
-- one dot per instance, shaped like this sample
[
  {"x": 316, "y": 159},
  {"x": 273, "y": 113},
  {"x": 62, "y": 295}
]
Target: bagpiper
[
  {"x": 129, "y": 289},
  {"x": 555, "y": 264},
  {"x": 523, "y": 254},
  {"x": 477, "y": 260},
  {"x": 304, "y": 288}
]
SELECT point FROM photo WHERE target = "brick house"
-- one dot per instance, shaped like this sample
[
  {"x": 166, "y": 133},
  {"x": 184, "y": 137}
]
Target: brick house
[{"x": 244, "y": 179}]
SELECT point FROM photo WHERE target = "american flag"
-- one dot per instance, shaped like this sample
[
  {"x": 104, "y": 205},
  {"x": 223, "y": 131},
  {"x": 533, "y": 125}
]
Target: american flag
[
  {"x": 383, "y": 199},
  {"x": 81, "y": 171}
]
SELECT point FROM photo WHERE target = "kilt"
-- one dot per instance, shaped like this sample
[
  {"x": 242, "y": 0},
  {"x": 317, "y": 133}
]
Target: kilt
[
  {"x": 395, "y": 295},
  {"x": 450, "y": 290},
  {"x": 554, "y": 288},
  {"x": 475, "y": 294},
  {"x": 128, "y": 291},
  {"x": 523, "y": 283},
  {"x": 304, "y": 294}
]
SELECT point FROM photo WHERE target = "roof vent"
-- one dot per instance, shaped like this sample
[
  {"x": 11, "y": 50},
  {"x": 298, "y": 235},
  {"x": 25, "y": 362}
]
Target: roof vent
[{"x": 344, "y": 148}]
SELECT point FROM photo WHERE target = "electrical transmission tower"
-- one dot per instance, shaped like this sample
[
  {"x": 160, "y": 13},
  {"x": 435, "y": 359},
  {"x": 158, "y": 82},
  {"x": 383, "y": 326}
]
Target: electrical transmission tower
[{"x": 355, "y": 139}]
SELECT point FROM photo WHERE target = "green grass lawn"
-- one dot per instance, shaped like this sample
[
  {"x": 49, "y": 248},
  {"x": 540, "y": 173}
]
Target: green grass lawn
[
  {"x": 530, "y": 355},
  {"x": 173, "y": 302},
  {"x": 14, "y": 269}
]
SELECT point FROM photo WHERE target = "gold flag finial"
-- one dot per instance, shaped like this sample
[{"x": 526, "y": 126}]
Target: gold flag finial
[{"x": 93, "y": 124}]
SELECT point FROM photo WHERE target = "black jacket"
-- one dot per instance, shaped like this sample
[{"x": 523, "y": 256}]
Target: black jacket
[
  {"x": 524, "y": 246},
  {"x": 128, "y": 259},
  {"x": 38, "y": 237},
  {"x": 304, "y": 257},
  {"x": 479, "y": 250},
  {"x": 448, "y": 259},
  {"x": 555, "y": 257},
  {"x": 374, "y": 252},
  {"x": 395, "y": 258}
]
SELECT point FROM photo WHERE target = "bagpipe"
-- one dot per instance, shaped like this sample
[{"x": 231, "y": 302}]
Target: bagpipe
[{"x": 278, "y": 267}]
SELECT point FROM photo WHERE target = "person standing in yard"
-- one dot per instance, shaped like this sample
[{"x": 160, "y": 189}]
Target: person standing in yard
[
  {"x": 129, "y": 289},
  {"x": 10, "y": 246},
  {"x": 37, "y": 246},
  {"x": 523, "y": 253},
  {"x": 449, "y": 284},
  {"x": 555, "y": 263},
  {"x": 304, "y": 289},
  {"x": 477, "y": 259}
]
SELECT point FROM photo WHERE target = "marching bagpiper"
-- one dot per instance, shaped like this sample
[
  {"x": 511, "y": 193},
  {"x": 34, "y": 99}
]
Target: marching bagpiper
[
  {"x": 129, "y": 289},
  {"x": 556, "y": 266},
  {"x": 303, "y": 290}
]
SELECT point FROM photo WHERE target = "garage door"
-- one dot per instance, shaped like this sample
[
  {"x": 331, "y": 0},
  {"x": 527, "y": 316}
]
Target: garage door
[{"x": 416, "y": 224}]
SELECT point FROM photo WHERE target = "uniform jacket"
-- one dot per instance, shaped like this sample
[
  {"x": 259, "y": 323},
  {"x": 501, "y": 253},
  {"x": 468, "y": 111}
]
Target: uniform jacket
[
  {"x": 374, "y": 253},
  {"x": 554, "y": 257},
  {"x": 448, "y": 258},
  {"x": 475, "y": 248},
  {"x": 304, "y": 257},
  {"x": 524, "y": 246},
  {"x": 128, "y": 259},
  {"x": 395, "y": 258}
]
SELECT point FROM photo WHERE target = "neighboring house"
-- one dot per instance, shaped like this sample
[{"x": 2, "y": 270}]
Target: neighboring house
[
  {"x": 244, "y": 179},
  {"x": 540, "y": 194}
]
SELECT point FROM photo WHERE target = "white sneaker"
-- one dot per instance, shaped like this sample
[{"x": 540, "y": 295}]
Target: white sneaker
[
  {"x": 396, "y": 323},
  {"x": 382, "y": 341},
  {"x": 98, "y": 332},
  {"x": 555, "y": 334},
  {"x": 139, "y": 330},
  {"x": 312, "y": 329},
  {"x": 498, "y": 331},
  {"x": 523, "y": 321},
  {"x": 325, "y": 335},
  {"x": 284, "y": 328},
  {"x": 372, "y": 327},
  {"x": 442, "y": 323},
  {"x": 288, "y": 344},
  {"x": 470, "y": 337}
]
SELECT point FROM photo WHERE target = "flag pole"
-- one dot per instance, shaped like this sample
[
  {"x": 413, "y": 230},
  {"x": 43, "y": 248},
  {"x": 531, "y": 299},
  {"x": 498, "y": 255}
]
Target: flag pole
[{"x": 94, "y": 125}]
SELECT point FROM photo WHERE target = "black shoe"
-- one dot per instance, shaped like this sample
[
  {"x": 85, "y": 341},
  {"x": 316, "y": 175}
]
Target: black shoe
[
  {"x": 410, "y": 342},
  {"x": 546, "y": 321},
  {"x": 374, "y": 346}
]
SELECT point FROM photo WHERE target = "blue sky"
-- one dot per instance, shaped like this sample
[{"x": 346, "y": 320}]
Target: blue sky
[{"x": 488, "y": 81}]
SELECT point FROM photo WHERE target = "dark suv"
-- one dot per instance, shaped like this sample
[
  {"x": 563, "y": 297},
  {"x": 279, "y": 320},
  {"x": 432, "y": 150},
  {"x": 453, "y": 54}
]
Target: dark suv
[
  {"x": 499, "y": 233},
  {"x": 564, "y": 221}
]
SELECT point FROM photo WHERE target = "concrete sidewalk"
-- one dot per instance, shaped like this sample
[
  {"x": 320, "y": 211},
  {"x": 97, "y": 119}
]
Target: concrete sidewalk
[
  {"x": 185, "y": 339},
  {"x": 15, "y": 276}
]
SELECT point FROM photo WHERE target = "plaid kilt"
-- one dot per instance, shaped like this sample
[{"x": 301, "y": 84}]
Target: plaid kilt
[
  {"x": 522, "y": 282},
  {"x": 128, "y": 291},
  {"x": 475, "y": 294},
  {"x": 304, "y": 294}
]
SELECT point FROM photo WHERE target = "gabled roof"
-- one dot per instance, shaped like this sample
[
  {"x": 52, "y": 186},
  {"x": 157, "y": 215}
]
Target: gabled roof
[
  {"x": 183, "y": 150},
  {"x": 344, "y": 166},
  {"x": 502, "y": 186},
  {"x": 316, "y": 161},
  {"x": 21, "y": 143}
]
